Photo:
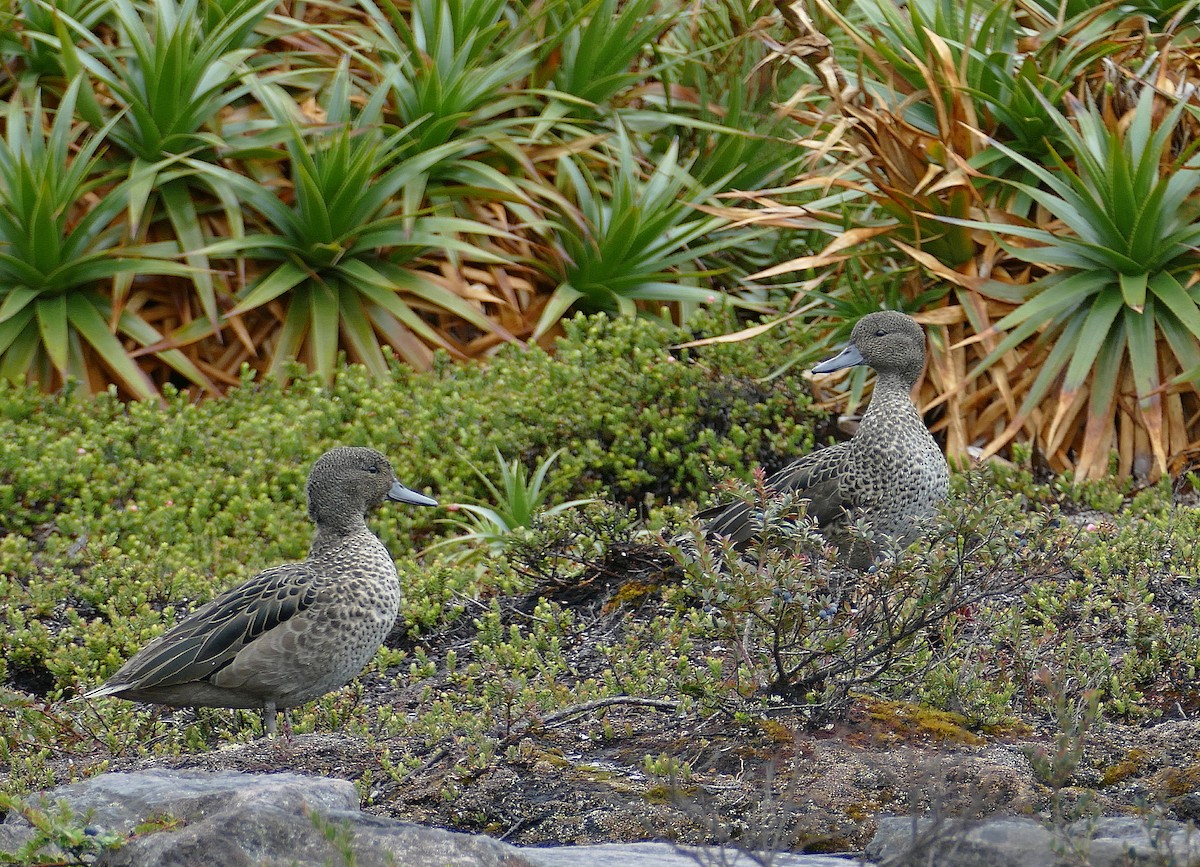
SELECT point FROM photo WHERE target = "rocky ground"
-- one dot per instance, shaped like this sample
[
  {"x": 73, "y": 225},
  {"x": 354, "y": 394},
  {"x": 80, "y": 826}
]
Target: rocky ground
[
  {"x": 820, "y": 791},
  {"x": 763, "y": 782},
  {"x": 752, "y": 788},
  {"x": 771, "y": 779}
]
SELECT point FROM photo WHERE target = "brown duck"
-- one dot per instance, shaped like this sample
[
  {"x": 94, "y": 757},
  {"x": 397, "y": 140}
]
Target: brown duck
[
  {"x": 296, "y": 631},
  {"x": 891, "y": 473}
]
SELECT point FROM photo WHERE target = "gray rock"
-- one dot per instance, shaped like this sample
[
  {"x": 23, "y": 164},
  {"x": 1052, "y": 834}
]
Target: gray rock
[
  {"x": 1187, "y": 807},
  {"x": 264, "y": 820},
  {"x": 191, "y": 818},
  {"x": 1121, "y": 840},
  {"x": 198, "y": 819},
  {"x": 119, "y": 802},
  {"x": 667, "y": 855},
  {"x": 13, "y": 837},
  {"x": 951, "y": 843},
  {"x": 1015, "y": 842},
  {"x": 266, "y": 836}
]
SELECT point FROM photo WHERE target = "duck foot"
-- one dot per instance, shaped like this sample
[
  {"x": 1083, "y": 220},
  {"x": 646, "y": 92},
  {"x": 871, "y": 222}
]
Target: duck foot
[{"x": 270, "y": 727}]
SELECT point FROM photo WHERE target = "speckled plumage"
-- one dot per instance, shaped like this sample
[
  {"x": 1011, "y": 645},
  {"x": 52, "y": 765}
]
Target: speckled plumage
[
  {"x": 891, "y": 473},
  {"x": 293, "y": 632}
]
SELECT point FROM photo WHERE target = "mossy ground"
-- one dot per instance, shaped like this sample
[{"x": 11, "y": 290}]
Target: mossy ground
[{"x": 557, "y": 690}]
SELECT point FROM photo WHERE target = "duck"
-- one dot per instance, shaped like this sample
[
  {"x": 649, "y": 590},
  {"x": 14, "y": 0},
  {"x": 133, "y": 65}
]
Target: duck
[
  {"x": 891, "y": 475},
  {"x": 293, "y": 632}
]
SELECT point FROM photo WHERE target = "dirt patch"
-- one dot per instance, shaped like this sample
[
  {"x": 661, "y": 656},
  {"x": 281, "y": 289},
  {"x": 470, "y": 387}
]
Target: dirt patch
[
  {"x": 812, "y": 790},
  {"x": 629, "y": 768}
]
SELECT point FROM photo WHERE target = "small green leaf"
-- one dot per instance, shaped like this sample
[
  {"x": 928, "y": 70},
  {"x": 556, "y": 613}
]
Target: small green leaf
[
  {"x": 561, "y": 300},
  {"x": 1133, "y": 290},
  {"x": 286, "y": 276},
  {"x": 52, "y": 323},
  {"x": 324, "y": 322},
  {"x": 88, "y": 321}
]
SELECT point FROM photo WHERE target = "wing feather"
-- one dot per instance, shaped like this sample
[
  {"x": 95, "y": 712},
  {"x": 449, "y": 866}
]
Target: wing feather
[
  {"x": 816, "y": 476},
  {"x": 209, "y": 638}
]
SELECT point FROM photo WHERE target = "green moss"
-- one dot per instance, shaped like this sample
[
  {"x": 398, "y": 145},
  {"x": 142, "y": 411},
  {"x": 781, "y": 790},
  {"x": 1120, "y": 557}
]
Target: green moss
[
  {"x": 913, "y": 721},
  {"x": 777, "y": 731},
  {"x": 668, "y": 794},
  {"x": 1132, "y": 764},
  {"x": 1174, "y": 782},
  {"x": 118, "y": 516},
  {"x": 632, "y": 593},
  {"x": 863, "y": 811},
  {"x": 637, "y": 420}
]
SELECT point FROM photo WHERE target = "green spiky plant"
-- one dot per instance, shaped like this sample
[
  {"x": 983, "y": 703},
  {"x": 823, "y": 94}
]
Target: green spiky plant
[
  {"x": 935, "y": 137},
  {"x": 172, "y": 74},
  {"x": 35, "y": 41},
  {"x": 592, "y": 48},
  {"x": 643, "y": 241},
  {"x": 453, "y": 65},
  {"x": 1114, "y": 312},
  {"x": 56, "y": 321},
  {"x": 337, "y": 252},
  {"x": 518, "y": 499},
  {"x": 214, "y": 108}
]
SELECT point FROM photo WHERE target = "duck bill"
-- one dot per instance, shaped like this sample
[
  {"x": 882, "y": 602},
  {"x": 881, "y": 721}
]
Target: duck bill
[
  {"x": 401, "y": 494},
  {"x": 848, "y": 357}
]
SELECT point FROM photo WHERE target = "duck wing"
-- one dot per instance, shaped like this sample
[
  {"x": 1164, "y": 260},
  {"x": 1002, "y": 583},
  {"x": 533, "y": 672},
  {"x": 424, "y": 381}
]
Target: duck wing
[
  {"x": 210, "y": 637},
  {"x": 817, "y": 477}
]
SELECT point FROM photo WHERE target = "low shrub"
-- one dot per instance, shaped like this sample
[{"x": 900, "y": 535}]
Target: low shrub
[{"x": 116, "y": 515}]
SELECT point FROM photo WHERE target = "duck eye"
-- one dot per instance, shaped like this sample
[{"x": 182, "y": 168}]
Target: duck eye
[
  {"x": 880, "y": 333},
  {"x": 372, "y": 469}
]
